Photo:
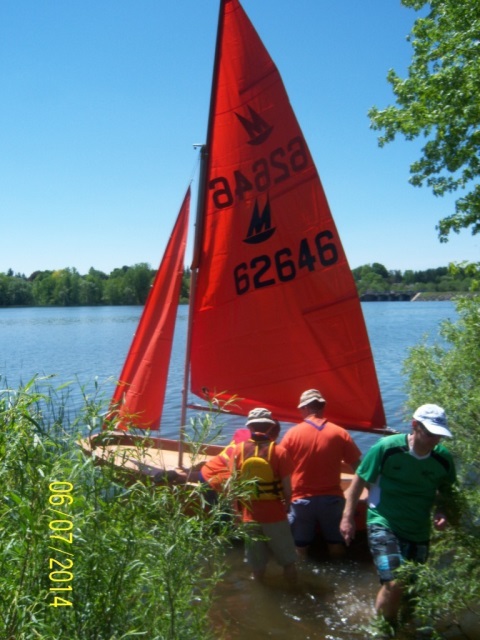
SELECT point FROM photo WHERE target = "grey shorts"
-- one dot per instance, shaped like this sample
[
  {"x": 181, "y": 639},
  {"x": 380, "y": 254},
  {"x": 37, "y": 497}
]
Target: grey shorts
[
  {"x": 308, "y": 515},
  {"x": 389, "y": 551},
  {"x": 278, "y": 540}
]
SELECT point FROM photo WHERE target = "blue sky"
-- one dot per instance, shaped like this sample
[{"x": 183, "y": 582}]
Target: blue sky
[{"x": 103, "y": 100}]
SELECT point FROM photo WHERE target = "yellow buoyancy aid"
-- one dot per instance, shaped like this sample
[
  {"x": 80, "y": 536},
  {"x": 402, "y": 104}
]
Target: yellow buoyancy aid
[{"x": 254, "y": 462}]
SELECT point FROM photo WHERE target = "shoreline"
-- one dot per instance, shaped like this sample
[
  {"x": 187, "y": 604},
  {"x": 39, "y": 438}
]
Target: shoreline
[{"x": 421, "y": 296}]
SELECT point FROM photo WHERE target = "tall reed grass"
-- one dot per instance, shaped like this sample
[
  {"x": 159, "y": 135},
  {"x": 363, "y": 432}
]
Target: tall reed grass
[{"x": 136, "y": 565}]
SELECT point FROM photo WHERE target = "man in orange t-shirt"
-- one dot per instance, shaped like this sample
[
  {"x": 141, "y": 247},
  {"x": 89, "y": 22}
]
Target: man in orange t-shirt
[{"x": 318, "y": 448}]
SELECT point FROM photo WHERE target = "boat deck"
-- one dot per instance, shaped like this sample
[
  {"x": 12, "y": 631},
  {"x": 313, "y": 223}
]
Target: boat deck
[
  {"x": 122, "y": 452},
  {"x": 139, "y": 458},
  {"x": 142, "y": 457},
  {"x": 147, "y": 463}
]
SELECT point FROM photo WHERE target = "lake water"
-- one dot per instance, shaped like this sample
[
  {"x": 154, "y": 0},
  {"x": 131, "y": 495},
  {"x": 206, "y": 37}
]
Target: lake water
[
  {"x": 88, "y": 344},
  {"x": 84, "y": 345}
]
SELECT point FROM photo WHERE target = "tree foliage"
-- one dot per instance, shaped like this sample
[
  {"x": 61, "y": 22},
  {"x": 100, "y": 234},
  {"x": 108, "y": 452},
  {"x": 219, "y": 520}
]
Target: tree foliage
[
  {"x": 85, "y": 558},
  {"x": 66, "y": 287},
  {"x": 130, "y": 285},
  {"x": 448, "y": 374},
  {"x": 376, "y": 279},
  {"x": 439, "y": 99}
]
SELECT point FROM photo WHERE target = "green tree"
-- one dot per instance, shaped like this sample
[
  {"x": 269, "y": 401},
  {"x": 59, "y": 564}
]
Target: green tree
[
  {"x": 4, "y": 293},
  {"x": 185, "y": 287},
  {"x": 380, "y": 270},
  {"x": 409, "y": 277},
  {"x": 395, "y": 276},
  {"x": 43, "y": 286},
  {"x": 113, "y": 290},
  {"x": 439, "y": 100},
  {"x": 91, "y": 287},
  {"x": 120, "y": 288},
  {"x": 20, "y": 291},
  {"x": 371, "y": 278},
  {"x": 66, "y": 287},
  {"x": 139, "y": 279},
  {"x": 449, "y": 375}
]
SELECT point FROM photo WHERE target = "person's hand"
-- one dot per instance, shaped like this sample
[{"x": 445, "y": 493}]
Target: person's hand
[
  {"x": 347, "y": 529},
  {"x": 439, "y": 521}
]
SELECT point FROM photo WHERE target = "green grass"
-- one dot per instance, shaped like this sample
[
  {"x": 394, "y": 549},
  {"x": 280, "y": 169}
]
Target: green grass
[{"x": 137, "y": 565}]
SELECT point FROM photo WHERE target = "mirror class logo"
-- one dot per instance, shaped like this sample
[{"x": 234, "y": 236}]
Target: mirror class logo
[{"x": 258, "y": 131}]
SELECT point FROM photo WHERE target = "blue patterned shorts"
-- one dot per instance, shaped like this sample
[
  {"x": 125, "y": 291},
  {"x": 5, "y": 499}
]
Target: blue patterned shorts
[{"x": 389, "y": 551}]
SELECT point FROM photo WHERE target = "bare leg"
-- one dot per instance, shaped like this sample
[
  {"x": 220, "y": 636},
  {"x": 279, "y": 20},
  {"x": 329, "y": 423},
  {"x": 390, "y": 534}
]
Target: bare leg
[
  {"x": 302, "y": 552},
  {"x": 290, "y": 573},
  {"x": 258, "y": 575},
  {"x": 388, "y": 600},
  {"x": 336, "y": 550}
]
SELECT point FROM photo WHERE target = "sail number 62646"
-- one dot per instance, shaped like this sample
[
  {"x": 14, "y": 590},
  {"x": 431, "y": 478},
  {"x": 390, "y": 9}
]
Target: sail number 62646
[{"x": 263, "y": 271}]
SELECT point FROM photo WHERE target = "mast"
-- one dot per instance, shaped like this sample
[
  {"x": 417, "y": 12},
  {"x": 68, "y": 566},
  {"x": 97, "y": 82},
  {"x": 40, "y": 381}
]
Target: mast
[
  {"x": 199, "y": 225},
  {"x": 193, "y": 285}
]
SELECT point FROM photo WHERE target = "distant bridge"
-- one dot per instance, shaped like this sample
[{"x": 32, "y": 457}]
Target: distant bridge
[
  {"x": 430, "y": 296},
  {"x": 386, "y": 296}
]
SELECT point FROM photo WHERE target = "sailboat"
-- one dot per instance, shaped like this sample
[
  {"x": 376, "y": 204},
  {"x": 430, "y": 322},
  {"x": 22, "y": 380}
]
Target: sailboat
[{"x": 274, "y": 308}]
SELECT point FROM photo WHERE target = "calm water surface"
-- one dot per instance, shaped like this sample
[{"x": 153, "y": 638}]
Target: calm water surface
[{"x": 88, "y": 345}]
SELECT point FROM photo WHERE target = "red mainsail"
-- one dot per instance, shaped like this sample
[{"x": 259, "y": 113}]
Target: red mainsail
[
  {"x": 276, "y": 309},
  {"x": 139, "y": 396}
]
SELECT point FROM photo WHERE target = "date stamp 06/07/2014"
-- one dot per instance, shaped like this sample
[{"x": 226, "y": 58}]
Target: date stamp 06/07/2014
[{"x": 61, "y": 538}]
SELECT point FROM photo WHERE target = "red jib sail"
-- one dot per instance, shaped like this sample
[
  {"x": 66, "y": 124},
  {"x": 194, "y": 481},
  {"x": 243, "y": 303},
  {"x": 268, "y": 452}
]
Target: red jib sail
[
  {"x": 140, "y": 393},
  {"x": 276, "y": 308}
]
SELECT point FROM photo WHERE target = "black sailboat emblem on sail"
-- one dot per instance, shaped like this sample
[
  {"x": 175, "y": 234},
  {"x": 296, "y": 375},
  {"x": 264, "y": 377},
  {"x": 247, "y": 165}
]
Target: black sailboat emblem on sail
[
  {"x": 260, "y": 228},
  {"x": 257, "y": 129}
]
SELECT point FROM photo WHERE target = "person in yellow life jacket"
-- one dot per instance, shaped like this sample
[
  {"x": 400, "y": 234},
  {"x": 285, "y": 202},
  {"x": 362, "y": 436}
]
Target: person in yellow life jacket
[
  {"x": 217, "y": 470},
  {"x": 269, "y": 467},
  {"x": 214, "y": 472}
]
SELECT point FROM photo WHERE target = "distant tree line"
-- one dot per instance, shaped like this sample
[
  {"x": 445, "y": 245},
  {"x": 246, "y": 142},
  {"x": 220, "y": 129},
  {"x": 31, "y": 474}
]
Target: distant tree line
[
  {"x": 375, "y": 278},
  {"x": 130, "y": 285},
  {"x": 67, "y": 288}
]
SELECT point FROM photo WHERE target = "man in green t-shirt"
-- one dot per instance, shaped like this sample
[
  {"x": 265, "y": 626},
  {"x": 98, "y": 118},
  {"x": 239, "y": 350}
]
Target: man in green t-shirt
[{"x": 407, "y": 475}]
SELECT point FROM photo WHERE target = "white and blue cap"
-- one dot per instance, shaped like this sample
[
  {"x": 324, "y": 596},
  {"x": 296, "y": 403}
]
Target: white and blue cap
[{"x": 433, "y": 419}]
